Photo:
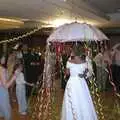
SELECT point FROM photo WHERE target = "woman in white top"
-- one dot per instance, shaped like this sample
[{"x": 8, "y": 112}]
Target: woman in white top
[
  {"x": 77, "y": 103},
  {"x": 20, "y": 89}
]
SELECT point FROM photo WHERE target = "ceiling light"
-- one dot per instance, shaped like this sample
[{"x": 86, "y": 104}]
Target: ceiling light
[
  {"x": 59, "y": 22},
  {"x": 11, "y": 20}
]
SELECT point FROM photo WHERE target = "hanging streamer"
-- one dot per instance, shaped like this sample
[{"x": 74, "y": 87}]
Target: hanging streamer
[
  {"x": 94, "y": 91},
  {"x": 20, "y": 37}
]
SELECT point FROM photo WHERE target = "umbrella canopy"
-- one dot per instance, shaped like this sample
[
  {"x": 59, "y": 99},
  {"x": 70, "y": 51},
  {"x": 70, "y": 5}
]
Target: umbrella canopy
[{"x": 76, "y": 32}]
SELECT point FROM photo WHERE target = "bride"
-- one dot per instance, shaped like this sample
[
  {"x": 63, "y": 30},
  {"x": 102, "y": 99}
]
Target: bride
[{"x": 77, "y": 103}]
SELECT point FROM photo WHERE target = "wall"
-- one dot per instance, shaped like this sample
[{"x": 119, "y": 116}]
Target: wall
[
  {"x": 114, "y": 39},
  {"x": 113, "y": 34}
]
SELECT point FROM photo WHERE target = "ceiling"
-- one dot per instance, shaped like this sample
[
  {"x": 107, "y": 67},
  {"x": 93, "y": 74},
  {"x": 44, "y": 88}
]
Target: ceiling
[
  {"x": 107, "y": 6},
  {"x": 103, "y": 13},
  {"x": 110, "y": 7}
]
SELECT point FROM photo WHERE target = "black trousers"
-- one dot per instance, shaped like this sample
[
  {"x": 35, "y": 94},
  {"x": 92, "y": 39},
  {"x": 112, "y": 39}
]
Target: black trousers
[{"x": 116, "y": 76}]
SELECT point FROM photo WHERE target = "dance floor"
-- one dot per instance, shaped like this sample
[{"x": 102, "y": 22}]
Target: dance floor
[
  {"x": 16, "y": 115},
  {"x": 110, "y": 105}
]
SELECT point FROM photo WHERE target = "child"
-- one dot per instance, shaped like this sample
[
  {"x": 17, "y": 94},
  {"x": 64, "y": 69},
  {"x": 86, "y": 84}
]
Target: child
[{"x": 20, "y": 89}]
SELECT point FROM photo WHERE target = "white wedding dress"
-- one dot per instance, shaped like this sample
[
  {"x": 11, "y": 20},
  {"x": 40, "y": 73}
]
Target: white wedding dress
[{"x": 77, "y": 103}]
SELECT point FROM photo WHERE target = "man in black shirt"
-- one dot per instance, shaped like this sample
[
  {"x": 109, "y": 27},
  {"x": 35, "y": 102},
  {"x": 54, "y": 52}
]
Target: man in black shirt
[{"x": 31, "y": 68}]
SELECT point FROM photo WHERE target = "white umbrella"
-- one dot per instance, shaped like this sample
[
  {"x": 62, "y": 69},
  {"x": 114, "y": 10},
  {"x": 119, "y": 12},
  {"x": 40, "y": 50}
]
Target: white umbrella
[{"x": 76, "y": 32}]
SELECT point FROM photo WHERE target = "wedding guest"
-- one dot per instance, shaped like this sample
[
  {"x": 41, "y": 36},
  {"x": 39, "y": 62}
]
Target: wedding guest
[
  {"x": 31, "y": 61},
  {"x": 10, "y": 66},
  {"x": 101, "y": 74},
  {"x": 20, "y": 89},
  {"x": 5, "y": 108},
  {"x": 116, "y": 65},
  {"x": 11, "y": 62}
]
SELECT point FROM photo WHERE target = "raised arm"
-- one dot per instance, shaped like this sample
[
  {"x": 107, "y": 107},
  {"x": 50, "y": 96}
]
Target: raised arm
[{"x": 23, "y": 80}]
